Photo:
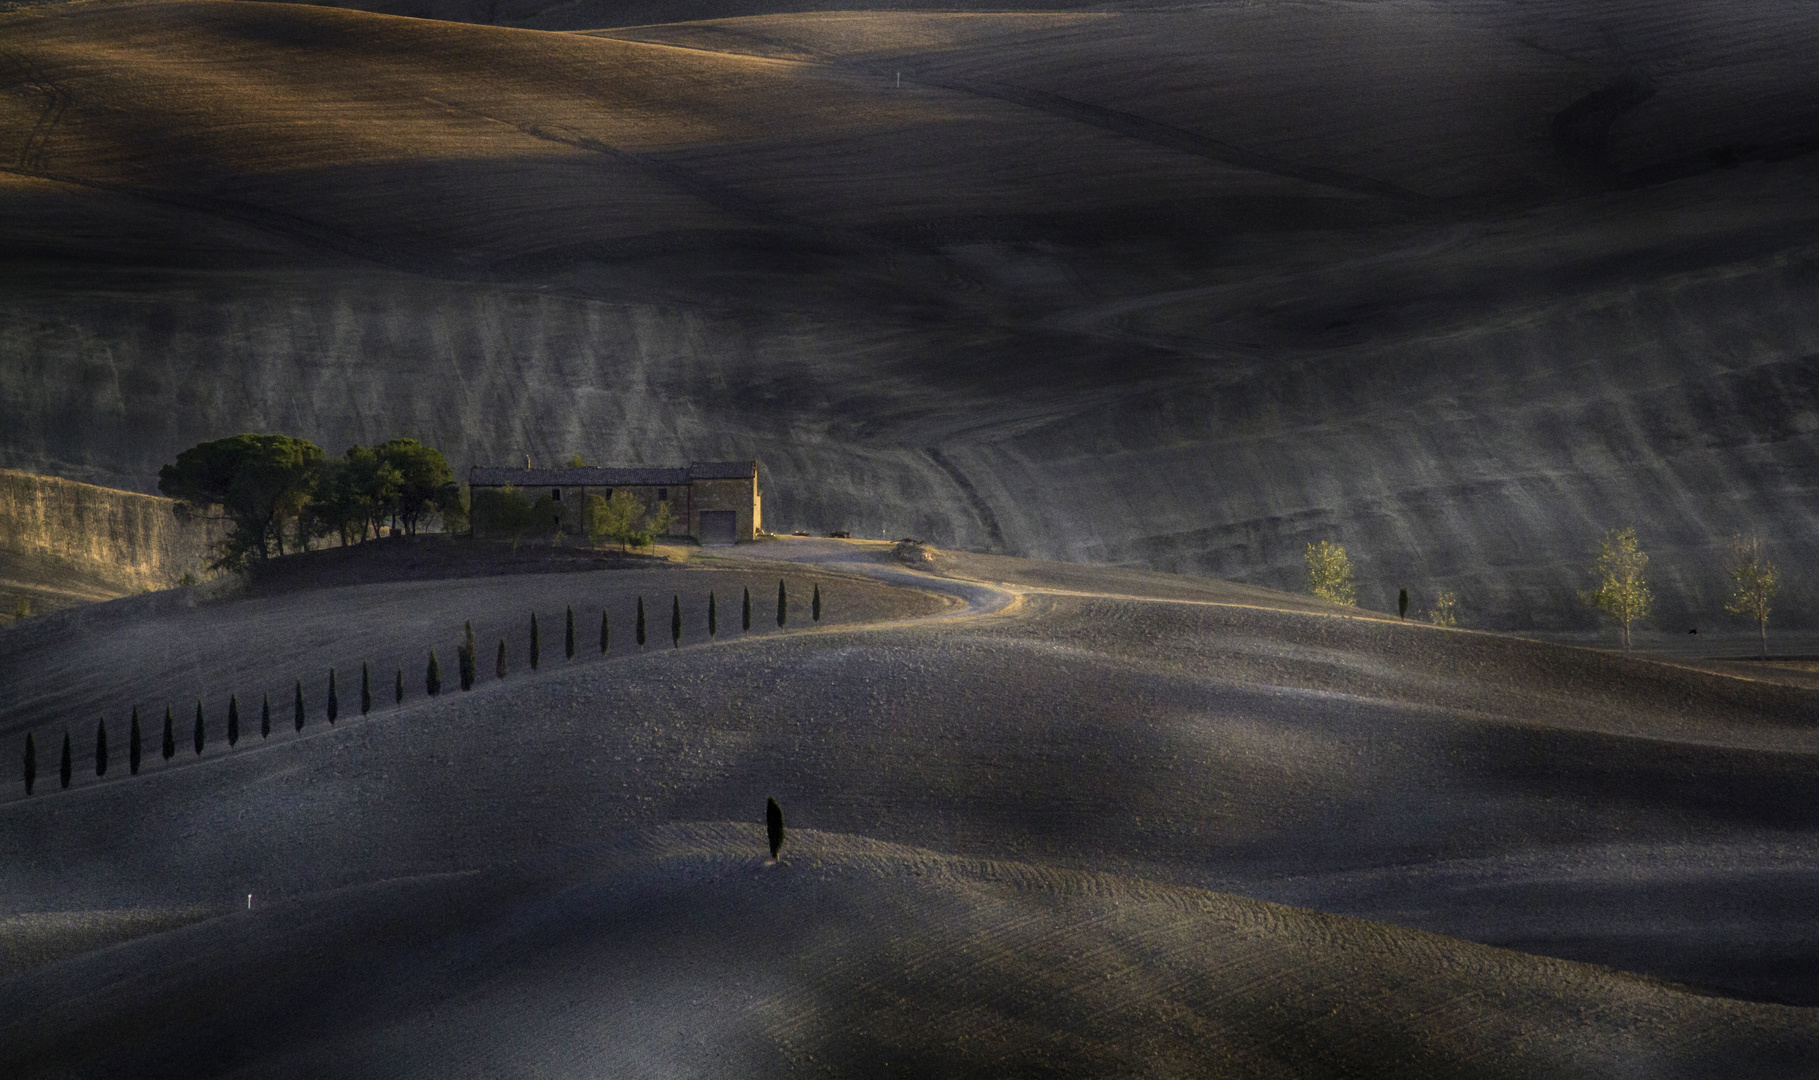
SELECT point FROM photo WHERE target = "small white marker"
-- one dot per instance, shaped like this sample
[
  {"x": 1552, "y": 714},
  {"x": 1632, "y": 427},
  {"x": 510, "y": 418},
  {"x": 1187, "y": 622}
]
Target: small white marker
[
  {"x": 249, "y": 901},
  {"x": 899, "y": 80}
]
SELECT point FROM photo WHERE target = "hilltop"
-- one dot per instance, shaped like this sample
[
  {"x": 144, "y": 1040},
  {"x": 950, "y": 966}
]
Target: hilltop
[{"x": 1458, "y": 285}]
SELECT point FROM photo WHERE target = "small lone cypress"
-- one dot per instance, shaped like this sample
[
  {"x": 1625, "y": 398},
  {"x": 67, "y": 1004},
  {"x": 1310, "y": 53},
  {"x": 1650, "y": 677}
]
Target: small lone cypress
[
  {"x": 265, "y": 715},
  {"x": 233, "y": 719},
  {"x": 641, "y": 622},
  {"x": 499, "y": 668},
  {"x": 1402, "y": 604},
  {"x": 605, "y": 632},
  {"x": 334, "y": 699},
  {"x": 712, "y": 628},
  {"x": 471, "y": 660},
  {"x": 432, "y": 676},
  {"x": 101, "y": 749},
  {"x": 398, "y": 690},
  {"x": 299, "y": 717},
  {"x": 814, "y": 606},
  {"x": 773, "y": 825},
  {"x": 31, "y": 762},
  {"x": 675, "y": 620},
  {"x": 64, "y": 771},
  {"x": 745, "y": 612},
  {"x": 568, "y": 637},
  {"x": 535, "y": 651},
  {"x": 170, "y": 736},
  {"x": 133, "y": 745},
  {"x": 782, "y": 603},
  {"x": 201, "y": 732},
  {"x": 366, "y": 689}
]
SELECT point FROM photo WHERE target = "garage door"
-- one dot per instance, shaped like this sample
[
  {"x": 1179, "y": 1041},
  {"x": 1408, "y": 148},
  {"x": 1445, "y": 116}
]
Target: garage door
[{"x": 719, "y": 526}]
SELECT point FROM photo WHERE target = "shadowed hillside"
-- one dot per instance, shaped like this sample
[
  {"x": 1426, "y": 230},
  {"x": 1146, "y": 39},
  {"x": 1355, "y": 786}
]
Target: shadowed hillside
[{"x": 1459, "y": 286}]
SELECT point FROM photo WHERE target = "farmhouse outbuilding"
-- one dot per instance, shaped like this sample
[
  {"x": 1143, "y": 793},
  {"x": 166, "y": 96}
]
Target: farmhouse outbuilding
[{"x": 715, "y": 502}]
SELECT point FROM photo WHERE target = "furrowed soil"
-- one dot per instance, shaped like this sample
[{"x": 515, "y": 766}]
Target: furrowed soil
[{"x": 1043, "y": 833}]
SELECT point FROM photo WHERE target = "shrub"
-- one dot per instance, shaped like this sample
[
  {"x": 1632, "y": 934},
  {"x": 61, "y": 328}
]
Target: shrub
[
  {"x": 782, "y": 604},
  {"x": 640, "y": 625},
  {"x": 432, "y": 676},
  {"x": 534, "y": 648},
  {"x": 65, "y": 769},
  {"x": 745, "y": 612},
  {"x": 366, "y": 689},
  {"x": 265, "y": 715},
  {"x": 814, "y": 605},
  {"x": 201, "y": 731},
  {"x": 675, "y": 620},
  {"x": 299, "y": 717},
  {"x": 31, "y": 762},
  {"x": 499, "y": 668},
  {"x": 1445, "y": 610},
  {"x": 773, "y": 825},
  {"x": 101, "y": 748},
  {"x": 170, "y": 735},
  {"x": 568, "y": 636},
  {"x": 233, "y": 719},
  {"x": 133, "y": 744},
  {"x": 1329, "y": 574},
  {"x": 605, "y": 632},
  {"x": 334, "y": 699},
  {"x": 712, "y": 623}
]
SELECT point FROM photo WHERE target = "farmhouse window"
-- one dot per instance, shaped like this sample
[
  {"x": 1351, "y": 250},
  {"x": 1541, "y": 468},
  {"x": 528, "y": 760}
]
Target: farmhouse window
[
  {"x": 555, "y": 494},
  {"x": 662, "y": 494}
]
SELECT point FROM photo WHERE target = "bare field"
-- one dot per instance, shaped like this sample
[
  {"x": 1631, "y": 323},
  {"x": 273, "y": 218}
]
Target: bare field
[{"x": 1559, "y": 801}]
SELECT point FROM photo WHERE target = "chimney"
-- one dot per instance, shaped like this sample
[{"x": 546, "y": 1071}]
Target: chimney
[{"x": 527, "y": 461}]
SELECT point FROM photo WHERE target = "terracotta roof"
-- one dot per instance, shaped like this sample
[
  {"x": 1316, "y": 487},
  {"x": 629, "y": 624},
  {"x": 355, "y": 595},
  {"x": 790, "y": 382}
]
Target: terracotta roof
[{"x": 590, "y": 476}]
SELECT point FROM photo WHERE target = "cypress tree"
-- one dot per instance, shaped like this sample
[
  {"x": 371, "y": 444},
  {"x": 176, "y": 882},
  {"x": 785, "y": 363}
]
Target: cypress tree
[
  {"x": 675, "y": 620},
  {"x": 398, "y": 691},
  {"x": 641, "y": 622},
  {"x": 745, "y": 612},
  {"x": 101, "y": 748},
  {"x": 31, "y": 762},
  {"x": 535, "y": 651},
  {"x": 64, "y": 770},
  {"x": 605, "y": 635},
  {"x": 299, "y": 717},
  {"x": 711, "y": 620},
  {"x": 782, "y": 604},
  {"x": 1402, "y": 604},
  {"x": 334, "y": 699},
  {"x": 470, "y": 661},
  {"x": 233, "y": 719},
  {"x": 265, "y": 715},
  {"x": 432, "y": 676},
  {"x": 814, "y": 606},
  {"x": 568, "y": 638},
  {"x": 132, "y": 744},
  {"x": 201, "y": 734},
  {"x": 773, "y": 825},
  {"x": 499, "y": 668},
  {"x": 366, "y": 689},
  {"x": 170, "y": 735}
]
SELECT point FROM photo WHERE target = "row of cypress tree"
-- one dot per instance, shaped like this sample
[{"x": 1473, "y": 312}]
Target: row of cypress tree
[{"x": 467, "y": 671}]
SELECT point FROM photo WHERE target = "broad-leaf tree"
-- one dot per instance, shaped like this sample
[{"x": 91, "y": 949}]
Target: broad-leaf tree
[
  {"x": 1621, "y": 591},
  {"x": 1329, "y": 574},
  {"x": 1754, "y": 580}
]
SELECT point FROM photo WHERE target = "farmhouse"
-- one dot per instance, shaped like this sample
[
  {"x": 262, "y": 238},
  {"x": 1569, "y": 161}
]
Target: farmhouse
[{"x": 715, "y": 502}]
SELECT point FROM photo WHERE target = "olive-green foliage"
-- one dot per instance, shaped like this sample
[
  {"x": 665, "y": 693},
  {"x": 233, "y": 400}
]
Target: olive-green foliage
[
  {"x": 1621, "y": 592},
  {"x": 1754, "y": 581},
  {"x": 620, "y": 519},
  {"x": 500, "y": 514},
  {"x": 258, "y": 481},
  {"x": 426, "y": 485},
  {"x": 1329, "y": 574},
  {"x": 1445, "y": 610}
]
